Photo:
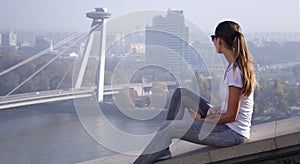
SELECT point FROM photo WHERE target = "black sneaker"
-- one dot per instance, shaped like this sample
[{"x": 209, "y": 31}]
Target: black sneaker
[{"x": 167, "y": 154}]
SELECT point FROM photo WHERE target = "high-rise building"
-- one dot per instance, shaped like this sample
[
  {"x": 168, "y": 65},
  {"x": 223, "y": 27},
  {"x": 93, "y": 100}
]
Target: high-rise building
[
  {"x": 12, "y": 39},
  {"x": 5, "y": 39},
  {"x": 170, "y": 33},
  {"x": 9, "y": 39},
  {"x": 41, "y": 43}
]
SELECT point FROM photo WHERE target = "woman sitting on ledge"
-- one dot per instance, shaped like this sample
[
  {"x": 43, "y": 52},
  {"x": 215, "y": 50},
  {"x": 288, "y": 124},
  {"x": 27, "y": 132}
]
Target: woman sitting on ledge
[{"x": 222, "y": 126}]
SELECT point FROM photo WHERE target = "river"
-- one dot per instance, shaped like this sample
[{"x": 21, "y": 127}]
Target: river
[{"x": 52, "y": 133}]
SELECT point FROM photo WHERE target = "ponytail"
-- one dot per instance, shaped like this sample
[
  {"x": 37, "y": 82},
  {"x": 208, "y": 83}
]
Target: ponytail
[
  {"x": 244, "y": 60},
  {"x": 235, "y": 40}
]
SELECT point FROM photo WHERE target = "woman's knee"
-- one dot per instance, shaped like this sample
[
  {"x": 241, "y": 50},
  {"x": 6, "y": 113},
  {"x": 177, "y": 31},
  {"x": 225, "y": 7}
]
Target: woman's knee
[
  {"x": 177, "y": 92},
  {"x": 176, "y": 95},
  {"x": 180, "y": 91},
  {"x": 165, "y": 124}
]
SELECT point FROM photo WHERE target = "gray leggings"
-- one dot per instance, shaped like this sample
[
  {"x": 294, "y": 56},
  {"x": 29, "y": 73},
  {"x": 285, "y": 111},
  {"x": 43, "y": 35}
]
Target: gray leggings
[{"x": 217, "y": 135}]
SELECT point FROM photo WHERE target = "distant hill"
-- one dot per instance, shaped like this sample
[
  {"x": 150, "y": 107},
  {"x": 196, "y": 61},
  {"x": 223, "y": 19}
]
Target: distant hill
[{"x": 273, "y": 53}]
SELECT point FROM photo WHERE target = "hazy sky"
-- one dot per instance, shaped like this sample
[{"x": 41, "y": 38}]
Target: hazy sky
[{"x": 69, "y": 15}]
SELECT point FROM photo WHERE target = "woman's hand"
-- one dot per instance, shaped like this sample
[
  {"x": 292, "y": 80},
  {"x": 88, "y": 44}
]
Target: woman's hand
[
  {"x": 214, "y": 111},
  {"x": 195, "y": 115},
  {"x": 234, "y": 101}
]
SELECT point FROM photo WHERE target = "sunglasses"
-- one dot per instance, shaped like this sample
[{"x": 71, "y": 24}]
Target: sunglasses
[{"x": 213, "y": 38}]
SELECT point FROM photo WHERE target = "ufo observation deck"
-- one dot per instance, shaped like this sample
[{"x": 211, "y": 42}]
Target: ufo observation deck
[{"x": 100, "y": 13}]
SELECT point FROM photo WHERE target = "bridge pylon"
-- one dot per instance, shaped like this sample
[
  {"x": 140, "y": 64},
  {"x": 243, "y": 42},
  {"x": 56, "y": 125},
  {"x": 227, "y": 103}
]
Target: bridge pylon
[{"x": 98, "y": 27}]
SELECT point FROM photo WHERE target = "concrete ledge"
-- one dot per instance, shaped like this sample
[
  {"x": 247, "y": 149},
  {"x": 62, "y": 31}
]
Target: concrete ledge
[{"x": 267, "y": 139}]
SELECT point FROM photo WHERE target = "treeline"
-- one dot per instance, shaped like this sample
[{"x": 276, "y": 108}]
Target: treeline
[
  {"x": 275, "y": 96},
  {"x": 273, "y": 52},
  {"x": 54, "y": 76},
  {"x": 271, "y": 96}
]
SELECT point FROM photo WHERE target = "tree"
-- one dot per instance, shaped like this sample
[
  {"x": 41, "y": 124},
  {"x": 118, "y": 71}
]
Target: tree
[
  {"x": 42, "y": 82},
  {"x": 29, "y": 86},
  {"x": 9, "y": 60},
  {"x": 54, "y": 82},
  {"x": 279, "y": 96},
  {"x": 297, "y": 95},
  {"x": 296, "y": 70},
  {"x": 25, "y": 71},
  {"x": 294, "y": 96},
  {"x": 8, "y": 82},
  {"x": 204, "y": 86},
  {"x": 262, "y": 97}
]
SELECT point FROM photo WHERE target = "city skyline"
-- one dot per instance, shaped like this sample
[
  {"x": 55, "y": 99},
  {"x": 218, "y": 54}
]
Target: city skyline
[{"x": 254, "y": 15}]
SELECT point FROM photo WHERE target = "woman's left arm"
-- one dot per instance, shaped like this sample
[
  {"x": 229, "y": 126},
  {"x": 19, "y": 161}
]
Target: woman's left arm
[{"x": 234, "y": 101}]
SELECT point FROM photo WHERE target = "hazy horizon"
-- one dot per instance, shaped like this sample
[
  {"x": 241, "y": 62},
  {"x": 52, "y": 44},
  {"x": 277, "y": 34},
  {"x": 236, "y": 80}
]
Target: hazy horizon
[{"x": 69, "y": 15}]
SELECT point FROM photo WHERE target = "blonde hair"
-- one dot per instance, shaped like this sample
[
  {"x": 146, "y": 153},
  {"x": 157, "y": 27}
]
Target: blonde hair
[{"x": 231, "y": 33}]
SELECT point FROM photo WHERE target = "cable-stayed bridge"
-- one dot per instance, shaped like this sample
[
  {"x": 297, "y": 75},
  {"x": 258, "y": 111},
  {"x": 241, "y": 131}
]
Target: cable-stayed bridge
[
  {"x": 97, "y": 34},
  {"x": 94, "y": 50}
]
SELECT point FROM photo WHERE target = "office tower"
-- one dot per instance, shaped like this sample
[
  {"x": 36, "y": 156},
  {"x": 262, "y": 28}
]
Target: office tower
[
  {"x": 12, "y": 39},
  {"x": 5, "y": 39},
  {"x": 9, "y": 39},
  {"x": 170, "y": 33},
  {"x": 41, "y": 43}
]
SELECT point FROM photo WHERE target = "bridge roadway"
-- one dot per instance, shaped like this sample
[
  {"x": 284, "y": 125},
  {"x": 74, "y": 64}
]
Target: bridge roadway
[
  {"x": 24, "y": 99},
  {"x": 17, "y": 100}
]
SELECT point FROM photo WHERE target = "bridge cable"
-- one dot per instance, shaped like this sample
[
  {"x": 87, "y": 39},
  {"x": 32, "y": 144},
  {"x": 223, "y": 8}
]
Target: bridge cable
[
  {"x": 40, "y": 69},
  {"x": 59, "y": 44},
  {"x": 63, "y": 78}
]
